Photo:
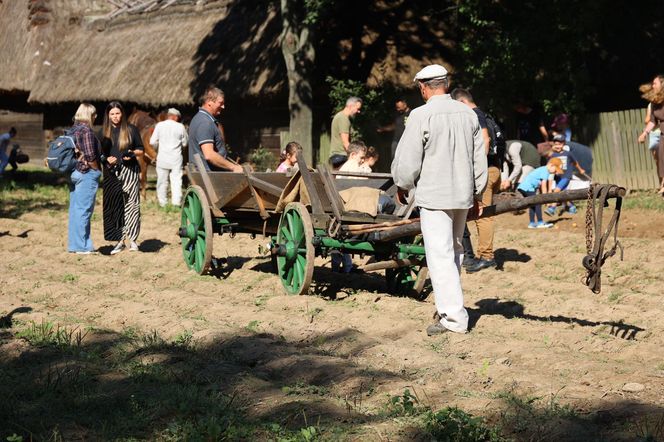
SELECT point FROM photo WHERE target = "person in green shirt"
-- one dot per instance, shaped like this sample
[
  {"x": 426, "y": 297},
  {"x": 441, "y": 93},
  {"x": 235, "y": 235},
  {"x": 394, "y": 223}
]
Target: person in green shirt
[{"x": 340, "y": 132}]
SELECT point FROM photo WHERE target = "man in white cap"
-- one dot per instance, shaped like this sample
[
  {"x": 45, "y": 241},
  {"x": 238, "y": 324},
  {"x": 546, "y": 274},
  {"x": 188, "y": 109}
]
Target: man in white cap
[
  {"x": 442, "y": 153},
  {"x": 169, "y": 137}
]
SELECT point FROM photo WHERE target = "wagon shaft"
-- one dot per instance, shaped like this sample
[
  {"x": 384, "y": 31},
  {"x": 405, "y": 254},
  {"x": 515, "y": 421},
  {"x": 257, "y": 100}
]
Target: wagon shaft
[{"x": 511, "y": 205}]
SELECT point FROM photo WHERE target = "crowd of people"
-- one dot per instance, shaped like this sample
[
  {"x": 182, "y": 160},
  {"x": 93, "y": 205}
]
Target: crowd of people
[
  {"x": 448, "y": 157},
  {"x": 449, "y": 153}
]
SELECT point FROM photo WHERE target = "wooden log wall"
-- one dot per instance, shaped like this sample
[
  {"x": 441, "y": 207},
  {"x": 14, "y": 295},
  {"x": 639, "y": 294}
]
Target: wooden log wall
[{"x": 30, "y": 132}]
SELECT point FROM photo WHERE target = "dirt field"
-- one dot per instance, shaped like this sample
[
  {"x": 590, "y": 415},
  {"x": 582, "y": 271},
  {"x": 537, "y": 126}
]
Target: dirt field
[{"x": 545, "y": 359}]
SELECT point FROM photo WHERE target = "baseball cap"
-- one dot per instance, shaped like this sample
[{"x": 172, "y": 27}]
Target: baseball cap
[
  {"x": 559, "y": 137},
  {"x": 430, "y": 72},
  {"x": 558, "y": 164},
  {"x": 173, "y": 111}
]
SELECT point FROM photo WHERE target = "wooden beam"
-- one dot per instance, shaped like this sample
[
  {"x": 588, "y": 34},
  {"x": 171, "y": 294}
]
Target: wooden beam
[
  {"x": 510, "y": 205},
  {"x": 307, "y": 179},
  {"x": 211, "y": 194},
  {"x": 331, "y": 191},
  {"x": 265, "y": 186},
  {"x": 260, "y": 205}
]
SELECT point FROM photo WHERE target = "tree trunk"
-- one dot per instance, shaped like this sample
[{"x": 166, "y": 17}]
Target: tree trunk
[{"x": 299, "y": 56}]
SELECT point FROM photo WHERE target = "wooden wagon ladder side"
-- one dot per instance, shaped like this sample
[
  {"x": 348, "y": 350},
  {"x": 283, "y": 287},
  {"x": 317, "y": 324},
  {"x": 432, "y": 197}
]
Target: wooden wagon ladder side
[
  {"x": 210, "y": 193},
  {"x": 260, "y": 204},
  {"x": 327, "y": 180},
  {"x": 316, "y": 204}
]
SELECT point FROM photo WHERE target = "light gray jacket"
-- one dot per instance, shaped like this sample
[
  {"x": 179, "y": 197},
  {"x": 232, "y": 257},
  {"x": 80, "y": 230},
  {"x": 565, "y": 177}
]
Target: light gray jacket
[{"x": 441, "y": 153}]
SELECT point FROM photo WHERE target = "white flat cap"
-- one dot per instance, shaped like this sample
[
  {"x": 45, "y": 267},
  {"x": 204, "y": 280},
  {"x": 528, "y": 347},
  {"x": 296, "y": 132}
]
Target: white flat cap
[
  {"x": 173, "y": 111},
  {"x": 430, "y": 72}
]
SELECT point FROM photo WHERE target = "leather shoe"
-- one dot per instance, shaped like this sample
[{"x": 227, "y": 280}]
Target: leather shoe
[
  {"x": 468, "y": 261},
  {"x": 481, "y": 264}
]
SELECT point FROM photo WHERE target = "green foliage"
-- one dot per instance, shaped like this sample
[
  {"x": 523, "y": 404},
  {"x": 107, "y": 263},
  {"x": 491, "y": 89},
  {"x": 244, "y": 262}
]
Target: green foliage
[
  {"x": 301, "y": 388},
  {"x": 46, "y": 334},
  {"x": 68, "y": 277},
  {"x": 452, "y": 424},
  {"x": 314, "y": 10},
  {"x": 263, "y": 159},
  {"x": 405, "y": 405},
  {"x": 643, "y": 200},
  {"x": 253, "y": 326},
  {"x": 535, "y": 52}
]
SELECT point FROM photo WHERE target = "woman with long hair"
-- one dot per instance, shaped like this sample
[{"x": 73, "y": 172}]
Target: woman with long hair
[
  {"x": 654, "y": 93},
  {"x": 84, "y": 180},
  {"x": 122, "y": 146}
]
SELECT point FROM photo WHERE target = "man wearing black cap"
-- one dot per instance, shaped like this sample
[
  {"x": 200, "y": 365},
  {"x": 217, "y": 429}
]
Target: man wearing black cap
[{"x": 442, "y": 153}]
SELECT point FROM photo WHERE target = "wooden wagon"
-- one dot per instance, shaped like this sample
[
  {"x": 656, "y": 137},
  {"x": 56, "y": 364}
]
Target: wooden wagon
[{"x": 305, "y": 216}]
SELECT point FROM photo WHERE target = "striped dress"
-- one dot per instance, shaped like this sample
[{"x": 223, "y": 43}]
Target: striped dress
[{"x": 121, "y": 191}]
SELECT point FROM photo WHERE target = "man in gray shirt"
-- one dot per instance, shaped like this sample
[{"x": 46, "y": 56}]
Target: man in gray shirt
[
  {"x": 442, "y": 154},
  {"x": 204, "y": 135}
]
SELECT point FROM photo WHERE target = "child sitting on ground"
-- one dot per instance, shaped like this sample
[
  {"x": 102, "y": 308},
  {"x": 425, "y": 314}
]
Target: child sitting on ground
[
  {"x": 289, "y": 157},
  {"x": 561, "y": 150},
  {"x": 541, "y": 178}
]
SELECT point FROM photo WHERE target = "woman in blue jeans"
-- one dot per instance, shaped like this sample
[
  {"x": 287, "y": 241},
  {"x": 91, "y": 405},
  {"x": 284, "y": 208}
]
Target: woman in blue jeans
[{"x": 84, "y": 180}]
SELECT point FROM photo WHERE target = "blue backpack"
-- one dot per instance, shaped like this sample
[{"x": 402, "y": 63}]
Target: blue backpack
[{"x": 62, "y": 154}]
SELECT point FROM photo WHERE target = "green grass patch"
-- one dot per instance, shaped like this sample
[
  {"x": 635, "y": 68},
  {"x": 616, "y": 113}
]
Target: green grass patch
[{"x": 644, "y": 200}]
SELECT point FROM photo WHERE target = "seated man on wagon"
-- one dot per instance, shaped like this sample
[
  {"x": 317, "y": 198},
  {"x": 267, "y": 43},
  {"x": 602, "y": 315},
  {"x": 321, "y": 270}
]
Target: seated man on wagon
[{"x": 205, "y": 137}]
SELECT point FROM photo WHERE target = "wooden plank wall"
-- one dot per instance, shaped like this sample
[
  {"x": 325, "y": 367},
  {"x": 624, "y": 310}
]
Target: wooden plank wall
[
  {"x": 618, "y": 157},
  {"x": 30, "y": 133}
]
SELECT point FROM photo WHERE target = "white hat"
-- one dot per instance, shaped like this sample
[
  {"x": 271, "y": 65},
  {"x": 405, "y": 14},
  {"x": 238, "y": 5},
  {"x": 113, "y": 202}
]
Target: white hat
[
  {"x": 173, "y": 111},
  {"x": 430, "y": 72}
]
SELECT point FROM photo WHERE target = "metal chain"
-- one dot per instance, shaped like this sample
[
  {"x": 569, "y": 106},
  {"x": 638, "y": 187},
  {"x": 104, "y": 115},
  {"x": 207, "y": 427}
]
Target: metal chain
[{"x": 590, "y": 215}]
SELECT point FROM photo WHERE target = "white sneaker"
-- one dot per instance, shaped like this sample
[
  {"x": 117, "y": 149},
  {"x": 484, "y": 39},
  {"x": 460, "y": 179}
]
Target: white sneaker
[
  {"x": 133, "y": 247},
  {"x": 119, "y": 247},
  {"x": 87, "y": 252}
]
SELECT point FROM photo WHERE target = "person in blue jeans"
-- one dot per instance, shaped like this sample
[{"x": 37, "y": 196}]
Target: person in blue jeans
[
  {"x": 84, "y": 181},
  {"x": 541, "y": 179}
]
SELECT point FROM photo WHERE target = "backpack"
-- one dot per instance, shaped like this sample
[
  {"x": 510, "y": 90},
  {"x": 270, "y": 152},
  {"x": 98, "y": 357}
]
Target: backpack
[
  {"x": 62, "y": 154},
  {"x": 498, "y": 145}
]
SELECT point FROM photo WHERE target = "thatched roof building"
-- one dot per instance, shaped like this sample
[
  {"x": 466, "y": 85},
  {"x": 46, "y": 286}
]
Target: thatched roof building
[
  {"x": 162, "y": 57},
  {"x": 71, "y": 50}
]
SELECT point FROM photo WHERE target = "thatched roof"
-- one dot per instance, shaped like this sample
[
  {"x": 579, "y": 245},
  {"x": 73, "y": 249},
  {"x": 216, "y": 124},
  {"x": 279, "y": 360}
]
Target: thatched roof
[
  {"x": 155, "y": 58},
  {"x": 20, "y": 56},
  {"x": 74, "y": 50}
]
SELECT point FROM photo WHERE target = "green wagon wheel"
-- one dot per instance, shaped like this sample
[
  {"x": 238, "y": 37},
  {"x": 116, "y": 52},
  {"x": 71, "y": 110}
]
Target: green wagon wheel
[
  {"x": 408, "y": 281},
  {"x": 296, "y": 267},
  {"x": 196, "y": 230}
]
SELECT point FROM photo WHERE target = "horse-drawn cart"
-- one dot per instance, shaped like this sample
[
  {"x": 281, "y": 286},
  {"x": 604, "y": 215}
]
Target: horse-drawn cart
[{"x": 306, "y": 216}]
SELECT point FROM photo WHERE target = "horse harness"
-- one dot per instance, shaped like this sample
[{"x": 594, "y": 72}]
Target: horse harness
[{"x": 595, "y": 258}]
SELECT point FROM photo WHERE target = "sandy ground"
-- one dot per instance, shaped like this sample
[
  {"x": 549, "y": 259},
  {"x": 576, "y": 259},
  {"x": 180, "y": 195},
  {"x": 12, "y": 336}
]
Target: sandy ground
[{"x": 536, "y": 329}]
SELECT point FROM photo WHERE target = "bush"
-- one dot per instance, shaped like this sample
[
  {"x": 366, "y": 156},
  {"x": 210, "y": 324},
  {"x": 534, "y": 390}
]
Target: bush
[{"x": 263, "y": 159}]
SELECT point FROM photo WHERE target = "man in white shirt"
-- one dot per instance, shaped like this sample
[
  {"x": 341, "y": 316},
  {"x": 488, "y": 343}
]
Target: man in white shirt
[
  {"x": 442, "y": 152},
  {"x": 169, "y": 137}
]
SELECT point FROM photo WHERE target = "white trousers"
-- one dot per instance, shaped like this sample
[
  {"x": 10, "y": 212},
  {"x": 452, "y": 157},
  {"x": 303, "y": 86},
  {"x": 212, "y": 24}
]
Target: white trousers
[
  {"x": 175, "y": 176},
  {"x": 442, "y": 231}
]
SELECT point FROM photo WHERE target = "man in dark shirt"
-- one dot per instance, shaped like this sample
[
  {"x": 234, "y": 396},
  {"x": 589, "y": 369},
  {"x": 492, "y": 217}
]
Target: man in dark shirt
[
  {"x": 529, "y": 125},
  {"x": 485, "y": 226},
  {"x": 399, "y": 123},
  {"x": 205, "y": 137}
]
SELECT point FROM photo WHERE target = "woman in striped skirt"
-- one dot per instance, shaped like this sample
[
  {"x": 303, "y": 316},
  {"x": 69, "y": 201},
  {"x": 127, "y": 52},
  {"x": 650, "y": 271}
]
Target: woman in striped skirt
[{"x": 121, "y": 145}]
